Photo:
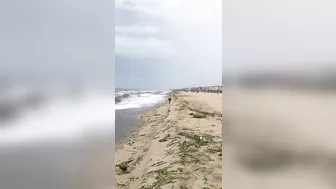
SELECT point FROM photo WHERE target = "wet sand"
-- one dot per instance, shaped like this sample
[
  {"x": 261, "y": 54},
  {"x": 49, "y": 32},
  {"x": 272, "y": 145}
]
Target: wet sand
[
  {"x": 175, "y": 145},
  {"x": 77, "y": 164},
  {"x": 126, "y": 121},
  {"x": 277, "y": 138}
]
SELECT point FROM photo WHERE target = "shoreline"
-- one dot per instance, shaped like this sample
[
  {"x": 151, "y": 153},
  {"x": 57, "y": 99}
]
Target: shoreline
[
  {"x": 138, "y": 113},
  {"x": 171, "y": 142},
  {"x": 127, "y": 121},
  {"x": 126, "y": 138}
]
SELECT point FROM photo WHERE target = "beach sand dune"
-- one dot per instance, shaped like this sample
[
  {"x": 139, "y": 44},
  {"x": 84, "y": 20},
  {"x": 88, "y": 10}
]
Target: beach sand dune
[{"x": 177, "y": 145}]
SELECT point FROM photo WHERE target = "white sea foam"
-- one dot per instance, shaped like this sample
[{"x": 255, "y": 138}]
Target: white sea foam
[
  {"x": 65, "y": 114},
  {"x": 140, "y": 99},
  {"x": 63, "y": 117}
]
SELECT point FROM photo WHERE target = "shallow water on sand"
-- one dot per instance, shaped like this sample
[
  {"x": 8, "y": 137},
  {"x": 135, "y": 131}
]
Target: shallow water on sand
[{"x": 127, "y": 121}]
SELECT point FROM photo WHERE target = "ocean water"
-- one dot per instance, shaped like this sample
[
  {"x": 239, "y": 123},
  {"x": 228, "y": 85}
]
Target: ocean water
[
  {"x": 56, "y": 137},
  {"x": 30, "y": 114},
  {"x": 33, "y": 115},
  {"x": 130, "y": 105},
  {"x": 60, "y": 137},
  {"x": 138, "y": 99}
]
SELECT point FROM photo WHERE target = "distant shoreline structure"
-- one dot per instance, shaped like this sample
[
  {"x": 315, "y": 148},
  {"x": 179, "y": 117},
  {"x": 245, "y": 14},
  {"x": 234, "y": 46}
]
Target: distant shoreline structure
[
  {"x": 317, "y": 80},
  {"x": 208, "y": 89}
]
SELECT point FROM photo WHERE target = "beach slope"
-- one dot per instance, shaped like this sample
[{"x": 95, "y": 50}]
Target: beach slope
[{"x": 177, "y": 145}]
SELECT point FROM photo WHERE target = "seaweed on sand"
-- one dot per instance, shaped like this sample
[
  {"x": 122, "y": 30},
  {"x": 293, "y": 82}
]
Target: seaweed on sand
[
  {"x": 162, "y": 177},
  {"x": 189, "y": 150}
]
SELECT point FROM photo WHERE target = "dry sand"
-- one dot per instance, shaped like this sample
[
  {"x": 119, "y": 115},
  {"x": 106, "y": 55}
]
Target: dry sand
[
  {"x": 279, "y": 139},
  {"x": 173, "y": 149}
]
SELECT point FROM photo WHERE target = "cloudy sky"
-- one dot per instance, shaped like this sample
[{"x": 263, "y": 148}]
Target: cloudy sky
[
  {"x": 168, "y": 43},
  {"x": 278, "y": 34},
  {"x": 155, "y": 44},
  {"x": 68, "y": 40},
  {"x": 162, "y": 43}
]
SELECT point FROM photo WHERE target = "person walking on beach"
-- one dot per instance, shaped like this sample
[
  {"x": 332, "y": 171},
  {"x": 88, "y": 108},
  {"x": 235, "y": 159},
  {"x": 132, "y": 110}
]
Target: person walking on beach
[{"x": 169, "y": 99}]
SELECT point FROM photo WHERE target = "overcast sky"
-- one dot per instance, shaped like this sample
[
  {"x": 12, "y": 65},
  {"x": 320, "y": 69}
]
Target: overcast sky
[
  {"x": 278, "y": 34},
  {"x": 162, "y": 43},
  {"x": 168, "y": 43},
  {"x": 68, "y": 40}
]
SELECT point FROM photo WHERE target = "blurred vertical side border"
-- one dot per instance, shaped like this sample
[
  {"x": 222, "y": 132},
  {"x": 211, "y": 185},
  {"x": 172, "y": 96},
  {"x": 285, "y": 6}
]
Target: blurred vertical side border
[{"x": 57, "y": 94}]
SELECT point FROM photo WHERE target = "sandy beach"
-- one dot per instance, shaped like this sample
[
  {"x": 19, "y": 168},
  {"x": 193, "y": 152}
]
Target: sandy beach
[
  {"x": 277, "y": 138},
  {"x": 177, "y": 145}
]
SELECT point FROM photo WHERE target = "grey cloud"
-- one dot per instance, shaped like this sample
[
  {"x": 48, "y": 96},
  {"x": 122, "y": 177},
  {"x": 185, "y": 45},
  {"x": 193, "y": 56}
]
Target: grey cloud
[{"x": 189, "y": 53}]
